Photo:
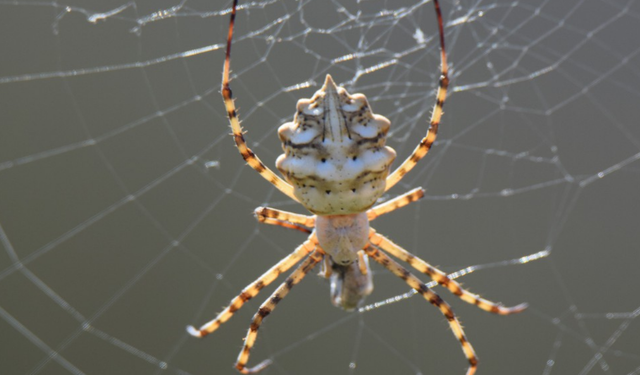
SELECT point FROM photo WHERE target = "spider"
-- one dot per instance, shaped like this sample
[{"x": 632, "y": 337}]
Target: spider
[{"x": 336, "y": 164}]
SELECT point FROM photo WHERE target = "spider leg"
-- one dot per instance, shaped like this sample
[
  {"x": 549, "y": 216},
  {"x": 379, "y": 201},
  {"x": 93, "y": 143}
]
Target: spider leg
[
  {"x": 326, "y": 269},
  {"x": 362, "y": 263},
  {"x": 263, "y": 214},
  {"x": 247, "y": 154},
  {"x": 430, "y": 296},
  {"x": 441, "y": 277},
  {"x": 268, "y": 306},
  {"x": 395, "y": 203},
  {"x": 254, "y": 288},
  {"x": 426, "y": 142},
  {"x": 285, "y": 224}
]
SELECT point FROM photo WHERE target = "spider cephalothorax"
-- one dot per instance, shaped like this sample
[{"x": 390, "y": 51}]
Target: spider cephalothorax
[
  {"x": 334, "y": 152},
  {"x": 336, "y": 164}
]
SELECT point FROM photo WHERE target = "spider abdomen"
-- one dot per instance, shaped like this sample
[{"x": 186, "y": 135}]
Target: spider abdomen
[{"x": 335, "y": 154}]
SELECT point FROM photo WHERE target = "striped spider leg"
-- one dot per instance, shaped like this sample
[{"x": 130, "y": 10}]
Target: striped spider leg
[
  {"x": 255, "y": 287},
  {"x": 430, "y": 296},
  {"x": 425, "y": 144},
  {"x": 268, "y": 306},
  {"x": 440, "y": 277},
  {"x": 247, "y": 154},
  {"x": 336, "y": 164}
]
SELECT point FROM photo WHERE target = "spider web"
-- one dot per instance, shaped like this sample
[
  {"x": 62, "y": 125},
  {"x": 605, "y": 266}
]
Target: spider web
[{"x": 125, "y": 210}]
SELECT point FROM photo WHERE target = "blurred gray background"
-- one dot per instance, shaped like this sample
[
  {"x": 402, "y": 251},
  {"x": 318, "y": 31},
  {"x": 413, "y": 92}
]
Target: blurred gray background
[{"x": 126, "y": 212}]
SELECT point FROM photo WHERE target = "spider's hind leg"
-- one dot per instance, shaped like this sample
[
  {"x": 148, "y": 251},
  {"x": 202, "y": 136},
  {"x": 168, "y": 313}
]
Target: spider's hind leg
[
  {"x": 255, "y": 287},
  {"x": 441, "y": 277},
  {"x": 430, "y": 296},
  {"x": 268, "y": 306}
]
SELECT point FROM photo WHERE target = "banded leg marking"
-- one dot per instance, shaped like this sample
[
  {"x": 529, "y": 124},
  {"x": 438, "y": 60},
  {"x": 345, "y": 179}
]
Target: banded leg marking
[
  {"x": 433, "y": 298},
  {"x": 254, "y": 288},
  {"x": 286, "y": 224},
  {"x": 441, "y": 277},
  {"x": 268, "y": 306},
  {"x": 247, "y": 154},
  {"x": 427, "y": 141},
  {"x": 264, "y": 213},
  {"x": 395, "y": 203}
]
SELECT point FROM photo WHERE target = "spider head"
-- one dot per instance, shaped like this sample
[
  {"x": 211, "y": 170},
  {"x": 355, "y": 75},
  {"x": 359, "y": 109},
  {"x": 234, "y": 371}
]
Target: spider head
[{"x": 342, "y": 236}]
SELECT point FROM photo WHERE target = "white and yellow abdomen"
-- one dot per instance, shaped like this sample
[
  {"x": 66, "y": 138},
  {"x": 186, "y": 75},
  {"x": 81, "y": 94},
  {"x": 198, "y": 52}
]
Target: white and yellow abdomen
[{"x": 335, "y": 154}]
